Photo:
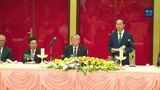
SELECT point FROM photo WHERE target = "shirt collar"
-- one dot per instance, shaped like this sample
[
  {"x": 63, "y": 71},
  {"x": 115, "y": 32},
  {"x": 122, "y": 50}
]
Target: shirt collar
[
  {"x": 1, "y": 49},
  {"x": 75, "y": 47},
  {"x": 121, "y": 32},
  {"x": 32, "y": 50}
]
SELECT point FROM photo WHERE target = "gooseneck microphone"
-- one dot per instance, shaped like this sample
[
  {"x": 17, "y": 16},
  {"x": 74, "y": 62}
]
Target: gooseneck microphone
[{"x": 53, "y": 40}]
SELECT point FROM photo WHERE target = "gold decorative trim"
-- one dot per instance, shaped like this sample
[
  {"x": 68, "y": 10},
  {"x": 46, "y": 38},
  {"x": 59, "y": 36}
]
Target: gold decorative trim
[
  {"x": 156, "y": 31},
  {"x": 73, "y": 18}
]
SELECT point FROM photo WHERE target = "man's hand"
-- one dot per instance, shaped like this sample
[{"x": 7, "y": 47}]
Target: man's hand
[
  {"x": 33, "y": 62},
  {"x": 1, "y": 62},
  {"x": 122, "y": 47},
  {"x": 114, "y": 50}
]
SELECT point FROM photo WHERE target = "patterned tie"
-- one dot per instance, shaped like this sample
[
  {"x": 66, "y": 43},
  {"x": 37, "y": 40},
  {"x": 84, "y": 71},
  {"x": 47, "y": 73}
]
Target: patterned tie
[
  {"x": 75, "y": 52},
  {"x": 120, "y": 38}
]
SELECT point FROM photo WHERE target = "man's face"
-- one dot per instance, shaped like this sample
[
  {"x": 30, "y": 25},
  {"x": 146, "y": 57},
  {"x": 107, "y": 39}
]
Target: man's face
[
  {"x": 75, "y": 42},
  {"x": 33, "y": 44},
  {"x": 2, "y": 42},
  {"x": 120, "y": 25}
]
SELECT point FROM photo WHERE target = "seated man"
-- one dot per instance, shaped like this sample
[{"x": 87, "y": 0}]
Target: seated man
[
  {"x": 5, "y": 52},
  {"x": 30, "y": 55},
  {"x": 75, "y": 49}
]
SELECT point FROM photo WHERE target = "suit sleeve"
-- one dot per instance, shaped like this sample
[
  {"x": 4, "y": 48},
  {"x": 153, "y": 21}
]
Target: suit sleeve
[
  {"x": 23, "y": 58},
  {"x": 110, "y": 45},
  {"x": 130, "y": 46},
  {"x": 10, "y": 54},
  {"x": 85, "y": 53},
  {"x": 65, "y": 52}
]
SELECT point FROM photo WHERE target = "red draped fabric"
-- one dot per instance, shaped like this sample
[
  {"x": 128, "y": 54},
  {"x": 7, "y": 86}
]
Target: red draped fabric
[
  {"x": 97, "y": 21},
  {"x": 47, "y": 18}
]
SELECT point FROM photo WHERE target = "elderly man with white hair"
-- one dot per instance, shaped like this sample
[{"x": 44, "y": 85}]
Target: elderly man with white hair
[
  {"x": 5, "y": 52},
  {"x": 75, "y": 49}
]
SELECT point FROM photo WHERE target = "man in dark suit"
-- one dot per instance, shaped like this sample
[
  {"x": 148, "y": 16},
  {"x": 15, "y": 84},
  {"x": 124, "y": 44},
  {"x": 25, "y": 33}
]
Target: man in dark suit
[
  {"x": 120, "y": 39},
  {"x": 5, "y": 52},
  {"x": 75, "y": 49},
  {"x": 30, "y": 55}
]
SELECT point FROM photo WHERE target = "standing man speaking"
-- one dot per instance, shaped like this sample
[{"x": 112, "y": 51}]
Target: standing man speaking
[{"x": 121, "y": 39}]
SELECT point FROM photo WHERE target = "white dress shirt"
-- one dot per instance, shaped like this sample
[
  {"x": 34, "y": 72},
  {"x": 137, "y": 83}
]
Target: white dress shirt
[
  {"x": 76, "y": 49},
  {"x": 121, "y": 34}
]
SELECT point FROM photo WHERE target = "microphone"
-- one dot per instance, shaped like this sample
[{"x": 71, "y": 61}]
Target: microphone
[{"x": 54, "y": 39}]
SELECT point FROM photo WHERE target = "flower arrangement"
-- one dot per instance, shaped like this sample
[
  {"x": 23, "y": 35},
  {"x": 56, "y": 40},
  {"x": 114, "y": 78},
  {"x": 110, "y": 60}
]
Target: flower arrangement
[{"x": 84, "y": 64}]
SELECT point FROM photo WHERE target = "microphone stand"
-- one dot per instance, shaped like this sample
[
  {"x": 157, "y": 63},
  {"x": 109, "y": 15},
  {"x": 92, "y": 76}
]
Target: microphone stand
[
  {"x": 158, "y": 59},
  {"x": 51, "y": 53},
  {"x": 132, "y": 64}
]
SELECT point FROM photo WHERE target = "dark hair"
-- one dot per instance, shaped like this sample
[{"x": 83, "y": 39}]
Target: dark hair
[
  {"x": 31, "y": 39},
  {"x": 121, "y": 20}
]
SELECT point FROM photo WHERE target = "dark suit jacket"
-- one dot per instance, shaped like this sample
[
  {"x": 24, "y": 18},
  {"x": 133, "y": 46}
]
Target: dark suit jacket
[
  {"x": 28, "y": 52},
  {"x": 68, "y": 51},
  {"x": 6, "y": 54},
  {"x": 127, "y": 40}
]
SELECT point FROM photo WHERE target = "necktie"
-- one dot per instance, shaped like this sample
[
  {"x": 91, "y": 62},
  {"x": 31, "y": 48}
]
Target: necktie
[
  {"x": 120, "y": 38},
  {"x": 75, "y": 52}
]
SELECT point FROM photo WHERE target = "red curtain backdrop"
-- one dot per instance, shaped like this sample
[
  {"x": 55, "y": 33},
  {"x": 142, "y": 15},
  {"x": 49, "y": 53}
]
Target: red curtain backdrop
[
  {"x": 48, "y": 18},
  {"x": 97, "y": 21}
]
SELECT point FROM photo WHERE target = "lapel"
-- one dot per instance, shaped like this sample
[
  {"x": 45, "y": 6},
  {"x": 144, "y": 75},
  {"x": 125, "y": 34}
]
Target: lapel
[
  {"x": 36, "y": 52},
  {"x": 117, "y": 38},
  {"x": 29, "y": 51},
  {"x": 71, "y": 50},
  {"x": 78, "y": 51},
  {"x": 123, "y": 38}
]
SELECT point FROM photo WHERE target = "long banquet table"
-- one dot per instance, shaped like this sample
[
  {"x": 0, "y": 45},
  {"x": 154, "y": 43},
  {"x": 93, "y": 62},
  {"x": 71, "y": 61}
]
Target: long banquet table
[{"x": 35, "y": 77}]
